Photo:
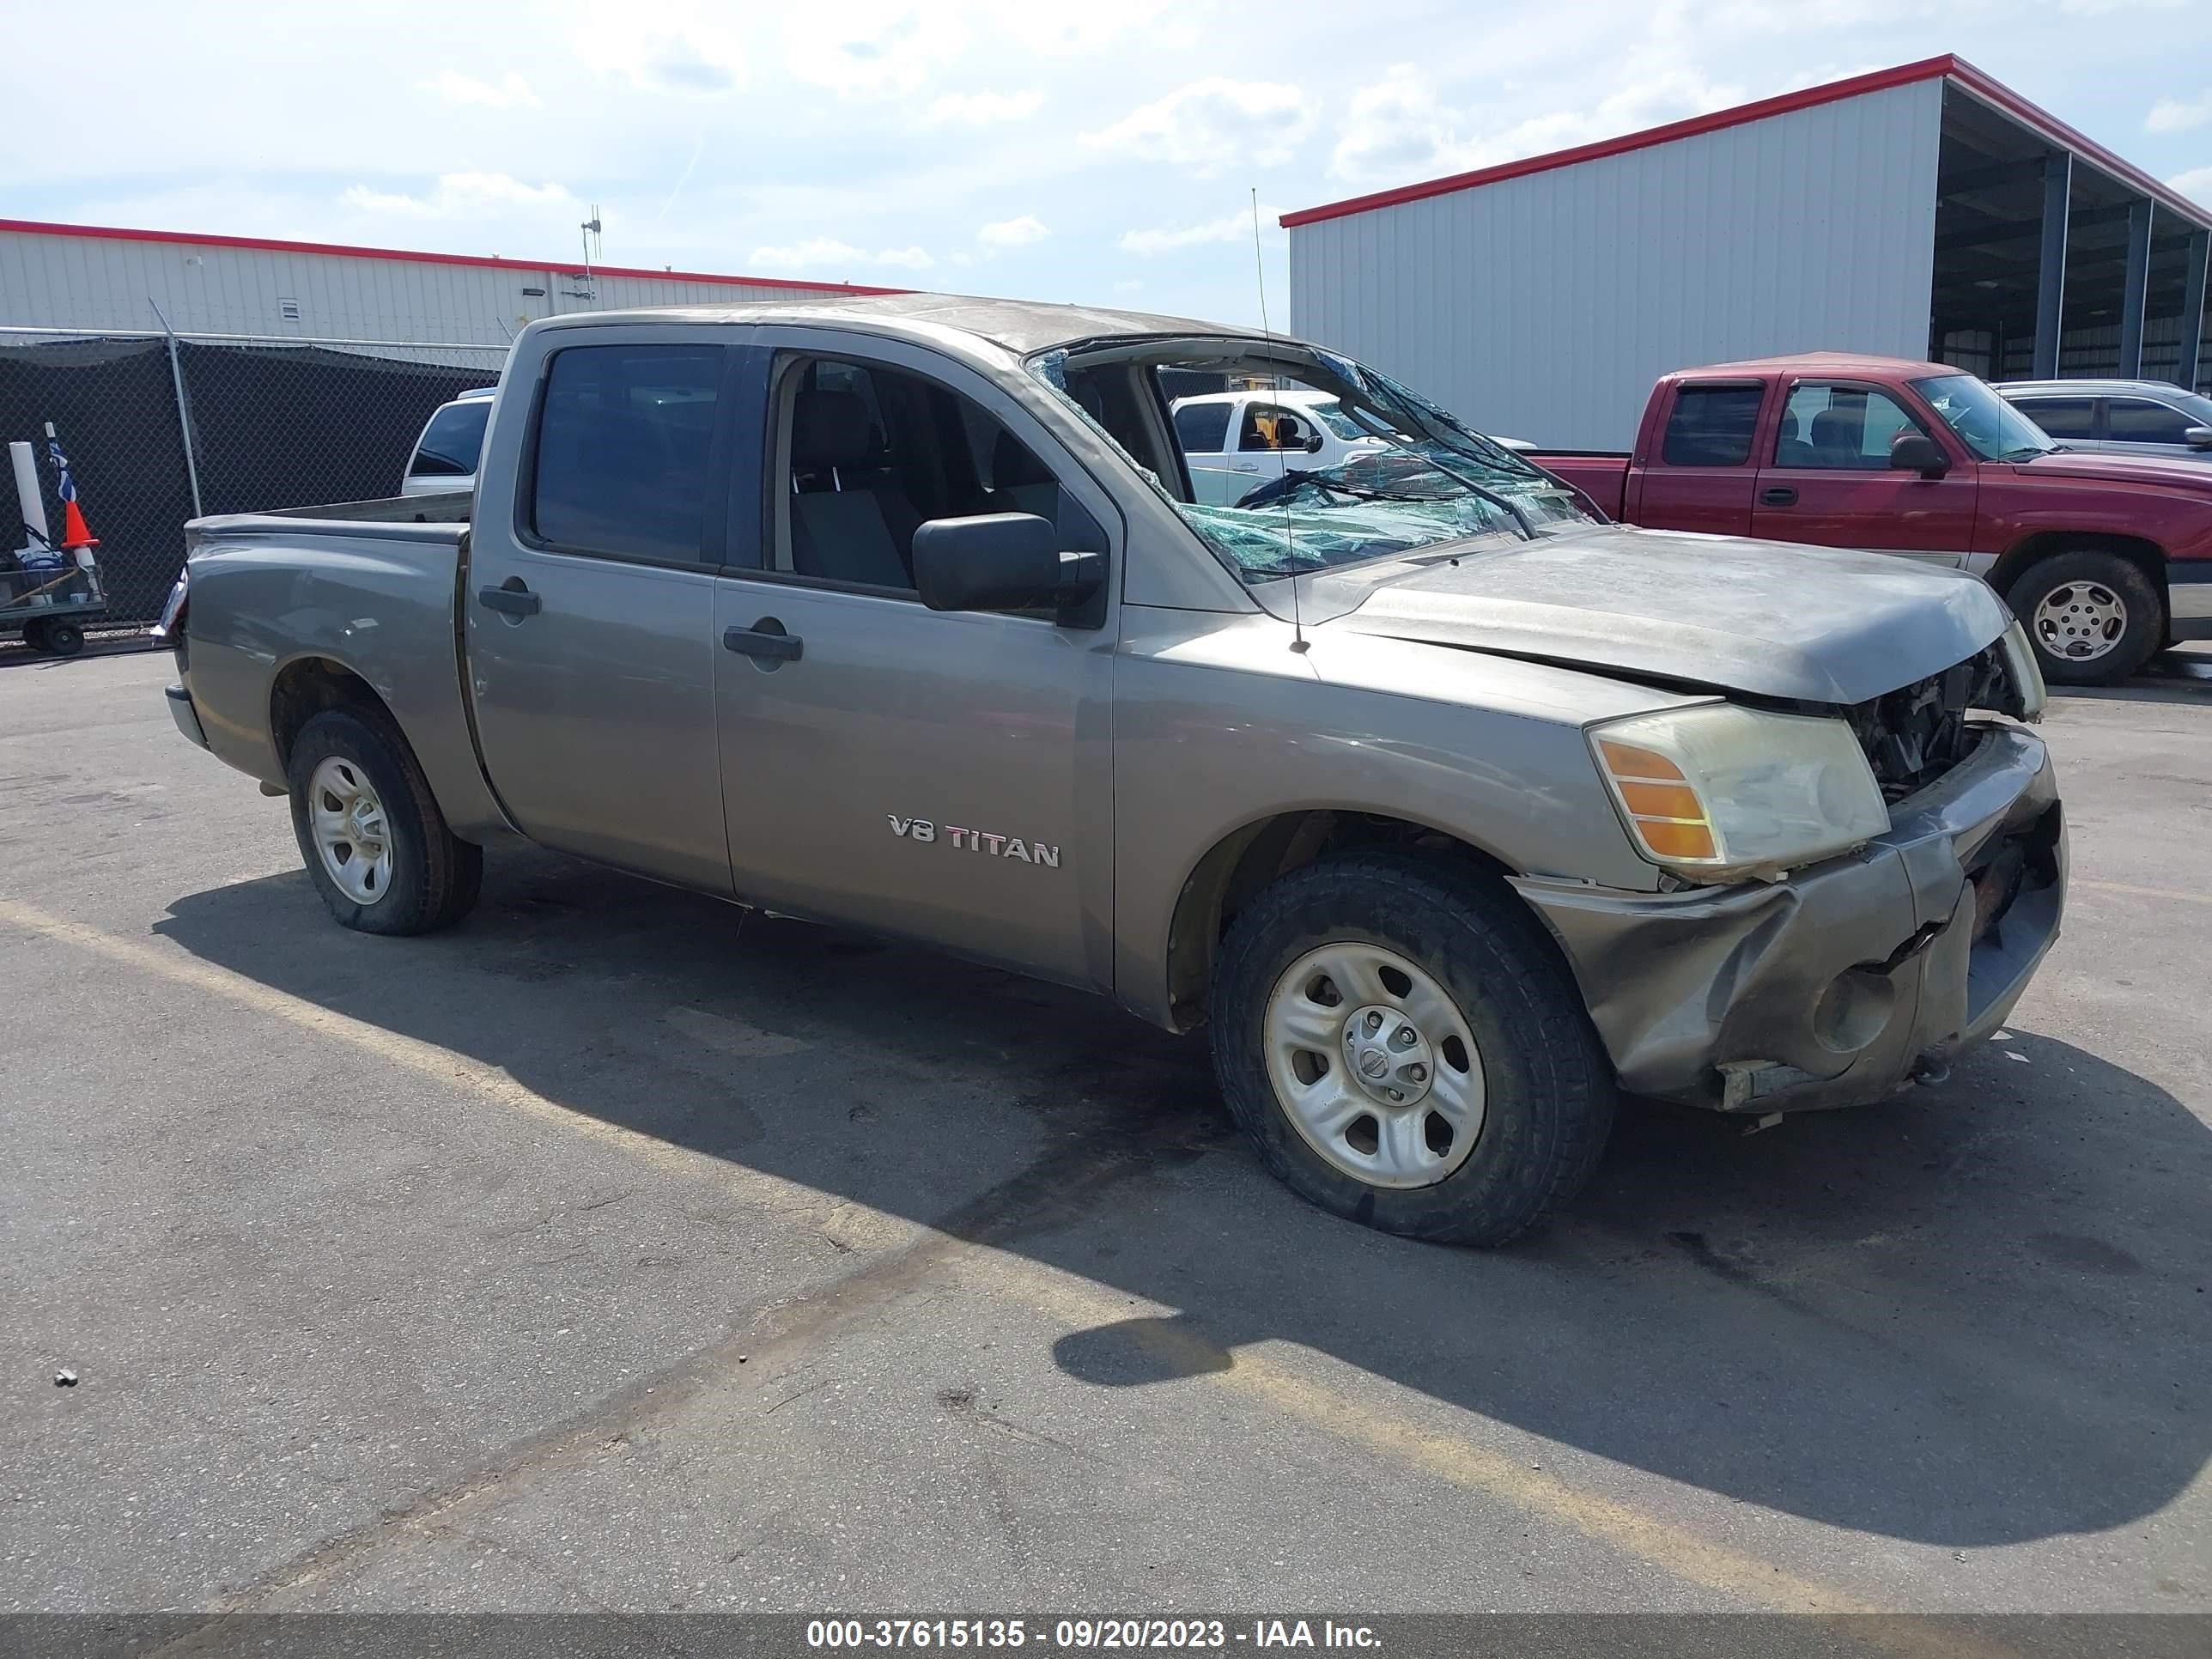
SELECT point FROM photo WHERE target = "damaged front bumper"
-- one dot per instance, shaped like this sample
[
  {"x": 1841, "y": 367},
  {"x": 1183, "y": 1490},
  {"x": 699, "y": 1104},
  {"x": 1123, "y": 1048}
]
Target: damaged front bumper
[{"x": 1837, "y": 986}]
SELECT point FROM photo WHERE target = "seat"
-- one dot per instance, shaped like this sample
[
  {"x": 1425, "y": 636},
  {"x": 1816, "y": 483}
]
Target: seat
[
  {"x": 1019, "y": 481},
  {"x": 1835, "y": 438},
  {"x": 1792, "y": 450},
  {"x": 841, "y": 529}
]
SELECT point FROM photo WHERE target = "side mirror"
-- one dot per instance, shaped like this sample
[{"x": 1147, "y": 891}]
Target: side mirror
[
  {"x": 2198, "y": 437},
  {"x": 1313, "y": 444},
  {"x": 1002, "y": 562},
  {"x": 1915, "y": 452}
]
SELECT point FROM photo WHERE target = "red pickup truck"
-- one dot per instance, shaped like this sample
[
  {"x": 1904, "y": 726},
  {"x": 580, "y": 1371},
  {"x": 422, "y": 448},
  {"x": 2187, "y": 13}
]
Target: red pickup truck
[{"x": 2106, "y": 559}]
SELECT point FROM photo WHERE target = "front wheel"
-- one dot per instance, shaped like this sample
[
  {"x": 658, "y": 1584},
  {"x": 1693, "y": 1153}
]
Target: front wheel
[
  {"x": 1406, "y": 1049},
  {"x": 376, "y": 845},
  {"x": 2092, "y": 617}
]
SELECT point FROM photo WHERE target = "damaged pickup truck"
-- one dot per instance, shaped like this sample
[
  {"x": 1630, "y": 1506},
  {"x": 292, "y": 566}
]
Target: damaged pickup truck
[{"x": 1446, "y": 808}]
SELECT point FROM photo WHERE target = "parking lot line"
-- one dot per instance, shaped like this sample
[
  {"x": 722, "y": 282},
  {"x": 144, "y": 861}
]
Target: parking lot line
[
  {"x": 2142, "y": 892},
  {"x": 1066, "y": 1298}
]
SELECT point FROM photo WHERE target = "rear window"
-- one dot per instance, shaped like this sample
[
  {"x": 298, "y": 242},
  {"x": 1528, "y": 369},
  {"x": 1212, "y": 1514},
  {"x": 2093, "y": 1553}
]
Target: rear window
[
  {"x": 620, "y": 464},
  {"x": 2062, "y": 417},
  {"x": 451, "y": 441},
  {"x": 1202, "y": 428},
  {"x": 1711, "y": 425}
]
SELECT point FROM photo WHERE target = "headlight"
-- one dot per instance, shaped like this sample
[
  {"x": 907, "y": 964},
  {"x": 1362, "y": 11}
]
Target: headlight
[
  {"x": 2027, "y": 677},
  {"x": 1714, "y": 791}
]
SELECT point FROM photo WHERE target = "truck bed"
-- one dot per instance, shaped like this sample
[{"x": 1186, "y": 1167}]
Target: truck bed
[{"x": 1601, "y": 474}]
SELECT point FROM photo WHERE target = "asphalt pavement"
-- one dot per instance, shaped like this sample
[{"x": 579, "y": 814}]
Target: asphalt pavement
[{"x": 619, "y": 1251}]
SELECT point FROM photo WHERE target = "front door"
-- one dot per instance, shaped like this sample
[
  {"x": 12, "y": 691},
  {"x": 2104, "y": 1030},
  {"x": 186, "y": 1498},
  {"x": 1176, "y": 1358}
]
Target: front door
[
  {"x": 945, "y": 777},
  {"x": 1828, "y": 480},
  {"x": 590, "y": 610}
]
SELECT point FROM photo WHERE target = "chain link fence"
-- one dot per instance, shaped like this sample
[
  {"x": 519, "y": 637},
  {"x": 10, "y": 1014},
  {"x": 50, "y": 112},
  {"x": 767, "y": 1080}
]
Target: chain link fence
[{"x": 159, "y": 429}]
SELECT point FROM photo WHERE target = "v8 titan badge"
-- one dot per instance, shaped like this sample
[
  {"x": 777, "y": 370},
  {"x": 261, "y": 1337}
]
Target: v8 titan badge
[{"x": 977, "y": 840}]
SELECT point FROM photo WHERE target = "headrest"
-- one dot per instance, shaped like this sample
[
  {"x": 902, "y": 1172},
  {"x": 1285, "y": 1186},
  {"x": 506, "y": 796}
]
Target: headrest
[
  {"x": 1012, "y": 463},
  {"x": 1838, "y": 429},
  {"x": 829, "y": 429}
]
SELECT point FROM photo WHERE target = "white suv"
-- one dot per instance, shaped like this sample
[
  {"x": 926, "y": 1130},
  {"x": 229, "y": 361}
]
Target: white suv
[
  {"x": 444, "y": 457},
  {"x": 2119, "y": 417}
]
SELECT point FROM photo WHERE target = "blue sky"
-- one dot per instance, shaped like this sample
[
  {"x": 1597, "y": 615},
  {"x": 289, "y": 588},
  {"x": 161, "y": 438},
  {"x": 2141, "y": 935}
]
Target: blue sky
[{"x": 1103, "y": 152}]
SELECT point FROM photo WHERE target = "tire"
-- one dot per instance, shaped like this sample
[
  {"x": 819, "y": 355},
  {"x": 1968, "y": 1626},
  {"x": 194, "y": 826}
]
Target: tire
[
  {"x": 417, "y": 875},
  {"x": 1543, "y": 1084},
  {"x": 64, "y": 639},
  {"x": 2095, "y": 601},
  {"x": 35, "y": 634}
]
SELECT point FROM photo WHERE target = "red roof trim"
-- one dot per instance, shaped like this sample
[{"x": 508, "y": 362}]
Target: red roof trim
[
  {"x": 340, "y": 250},
  {"x": 1788, "y": 103}
]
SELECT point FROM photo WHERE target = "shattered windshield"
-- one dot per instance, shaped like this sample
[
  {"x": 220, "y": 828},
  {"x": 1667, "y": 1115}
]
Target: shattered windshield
[
  {"x": 1986, "y": 422},
  {"x": 1373, "y": 469}
]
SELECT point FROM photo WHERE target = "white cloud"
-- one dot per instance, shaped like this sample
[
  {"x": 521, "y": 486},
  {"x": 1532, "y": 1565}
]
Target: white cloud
[
  {"x": 815, "y": 251},
  {"x": 1230, "y": 227},
  {"x": 1012, "y": 233},
  {"x": 872, "y": 48},
  {"x": 665, "y": 45},
  {"x": 976, "y": 109},
  {"x": 1398, "y": 128},
  {"x": 2104, "y": 8},
  {"x": 2196, "y": 183},
  {"x": 511, "y": 91},
  {"x": 820, "y": 253},
  {"x": 2172, "y": 115},
  {"x": 1213, "y": 124},
  {"x": 1130, "y": 285},
  {"x": 461, "y": 195}
]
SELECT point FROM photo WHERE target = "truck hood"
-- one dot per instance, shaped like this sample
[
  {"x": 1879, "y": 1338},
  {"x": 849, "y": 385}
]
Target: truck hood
[
  {"x": 2160, "y": 472},
  {"x": 1767, "y": 618}
]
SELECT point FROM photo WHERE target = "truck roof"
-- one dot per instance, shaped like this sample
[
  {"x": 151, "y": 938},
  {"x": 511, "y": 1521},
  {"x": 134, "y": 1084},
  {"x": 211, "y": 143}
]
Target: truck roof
[
  {"x": 1021, "y": 327},
  {"x": 1823, "y": 362}
]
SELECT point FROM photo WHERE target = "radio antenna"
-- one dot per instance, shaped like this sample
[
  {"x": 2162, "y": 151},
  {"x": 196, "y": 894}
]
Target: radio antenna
[{"x": 1289, "y": 546}]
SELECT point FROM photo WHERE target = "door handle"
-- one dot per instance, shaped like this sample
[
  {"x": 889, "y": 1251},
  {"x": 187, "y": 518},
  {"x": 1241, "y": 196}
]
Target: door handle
[
  {"x": 1245, "y": 466},
  {"x": 765, "y": 638},
  {"x": 510, "y": 597},
  {"x": 1781, "y": 495}
]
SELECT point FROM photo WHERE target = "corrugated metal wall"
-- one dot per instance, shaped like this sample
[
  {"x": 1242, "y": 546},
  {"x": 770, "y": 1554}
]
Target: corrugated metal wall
[
  {"x": 1544, "y": 307},
  {"x": 106, "y": 283}
]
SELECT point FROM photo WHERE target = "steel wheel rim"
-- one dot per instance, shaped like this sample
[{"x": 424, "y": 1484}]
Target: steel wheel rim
[
  {"x": 349, "y": 830},
  {"x": 1322, "y": 1059},
  {"x": 2081, "y": 622}
]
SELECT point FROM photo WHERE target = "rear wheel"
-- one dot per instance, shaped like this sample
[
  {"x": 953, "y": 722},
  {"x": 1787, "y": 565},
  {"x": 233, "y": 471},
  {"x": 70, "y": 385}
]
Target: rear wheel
[
  {"x": 1407, "y": 1050},
  {"x": 64, "y": 639},
  {"x": 375, "y": 844},
  {"x": 2093, "y": 617},
  {"x": 35, "y": 634}
]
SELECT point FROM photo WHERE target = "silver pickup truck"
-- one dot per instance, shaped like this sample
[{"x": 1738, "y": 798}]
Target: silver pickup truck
[{"x": 1446, "y": 807}]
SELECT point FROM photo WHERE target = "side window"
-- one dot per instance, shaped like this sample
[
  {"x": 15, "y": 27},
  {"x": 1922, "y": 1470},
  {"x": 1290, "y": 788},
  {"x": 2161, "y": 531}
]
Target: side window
[
  {"x": 1711, "y": 425},
  {"x": 1202, "y": 428},
  {"x": 2062, "y": 418},
  {"x": 451, "y": 440},
  {"x": 2139, "y": 421},
  {"x": 870, "y": 453},
  {"x": 1269, "y": 428},
  {"x": 1841, "y": 427},
  {"x": 620, "y": 462}
]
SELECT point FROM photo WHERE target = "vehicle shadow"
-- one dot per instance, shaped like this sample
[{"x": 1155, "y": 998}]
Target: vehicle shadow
[{"x": 1970, "y": 1316}]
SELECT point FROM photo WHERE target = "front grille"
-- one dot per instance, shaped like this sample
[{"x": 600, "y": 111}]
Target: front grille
[{"x": 1913, "y": 735}]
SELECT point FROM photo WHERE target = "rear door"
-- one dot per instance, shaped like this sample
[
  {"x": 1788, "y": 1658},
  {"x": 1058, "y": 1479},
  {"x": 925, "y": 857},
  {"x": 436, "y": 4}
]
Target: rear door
[
  {"x": 1205, "y": 432},
  {"x": 1828, "y": 480},
  {"x": 1703, "y": 476},
  {"x": 590, "y": 604}
]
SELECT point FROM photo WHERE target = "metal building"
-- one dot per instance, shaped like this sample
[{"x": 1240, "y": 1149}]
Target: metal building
[
  {"x": 1919, "y": 212},
  {"x": 84, "y": 278}
]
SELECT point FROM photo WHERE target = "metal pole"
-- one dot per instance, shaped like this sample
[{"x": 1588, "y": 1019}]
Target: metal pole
[
  {"x": 2050, "y": 272},
  {"x": 2192, "y": 309},
  {"x": 2138, "y": 290},
  {"x": 184, "y": 411}
]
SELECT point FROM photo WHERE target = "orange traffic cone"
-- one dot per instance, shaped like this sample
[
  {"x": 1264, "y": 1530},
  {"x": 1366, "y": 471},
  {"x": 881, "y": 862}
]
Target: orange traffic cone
[{"x": 75, "y": 532}]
